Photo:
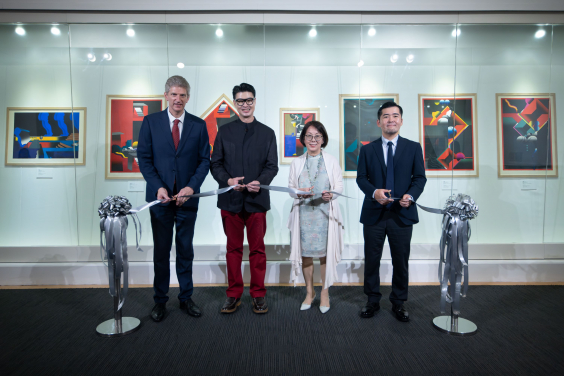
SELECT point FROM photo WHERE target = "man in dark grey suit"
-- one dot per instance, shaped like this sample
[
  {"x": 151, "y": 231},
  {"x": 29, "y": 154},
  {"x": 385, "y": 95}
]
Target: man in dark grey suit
[
  {"x": 245, "y": 155},
  {"x": 391, "y": 166}
]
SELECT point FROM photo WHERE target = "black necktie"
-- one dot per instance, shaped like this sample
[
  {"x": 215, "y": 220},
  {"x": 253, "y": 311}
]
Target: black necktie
[{"x": 390, "y": 171}]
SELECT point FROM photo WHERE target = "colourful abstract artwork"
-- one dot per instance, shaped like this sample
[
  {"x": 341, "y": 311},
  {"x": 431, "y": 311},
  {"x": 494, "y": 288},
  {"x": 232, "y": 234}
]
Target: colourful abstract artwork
[
  {"x": 526, "y": 133},
  {"x": 358, "y": 126},
  {"x": 221, "y": 112},
  {"x": 45, "y": 136},
  {"x": 292, "y": 122},
  {"x": 448, "y": 134},
  {"x": 124, "y": 116}
]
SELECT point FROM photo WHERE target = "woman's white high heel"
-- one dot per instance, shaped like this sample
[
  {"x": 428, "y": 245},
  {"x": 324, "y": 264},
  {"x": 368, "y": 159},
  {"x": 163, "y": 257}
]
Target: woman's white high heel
[
  {"x": 305, "y": 307},
  {"x": 324, "y": 309}
]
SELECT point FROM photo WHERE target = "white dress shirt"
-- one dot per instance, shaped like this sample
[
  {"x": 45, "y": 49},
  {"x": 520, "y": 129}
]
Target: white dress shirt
[
  {"x": 385, "y": 150},
  {"x": 171, "y": 120}
]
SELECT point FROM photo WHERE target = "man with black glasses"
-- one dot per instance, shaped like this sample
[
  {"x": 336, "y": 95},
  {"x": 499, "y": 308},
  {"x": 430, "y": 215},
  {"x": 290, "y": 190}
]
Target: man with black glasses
[{"x": 245, "y": 155}]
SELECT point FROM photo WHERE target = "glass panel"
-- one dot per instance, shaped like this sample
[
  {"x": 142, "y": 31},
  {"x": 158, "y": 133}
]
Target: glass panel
[
  {"x": 308, "y": 70},
  {"x": 508, "y": 68},
  {"x": 37, "y": 180},
  {"x": 118, "y": 74}
]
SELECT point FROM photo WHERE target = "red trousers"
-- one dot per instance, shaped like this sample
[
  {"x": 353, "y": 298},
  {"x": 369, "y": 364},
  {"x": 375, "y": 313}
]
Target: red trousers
[{"x": 234, "y": 227}]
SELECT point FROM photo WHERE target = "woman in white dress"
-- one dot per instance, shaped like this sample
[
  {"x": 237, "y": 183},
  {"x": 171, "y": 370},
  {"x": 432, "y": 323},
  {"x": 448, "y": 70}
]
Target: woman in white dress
[{"x": 315, "y": 221}]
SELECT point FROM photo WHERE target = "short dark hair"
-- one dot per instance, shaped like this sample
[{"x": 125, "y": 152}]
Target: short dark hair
[
  {"x": 320, "y": 128},
  {"x": 242, "y": 88},
  {"x": 388, "y": 105}
]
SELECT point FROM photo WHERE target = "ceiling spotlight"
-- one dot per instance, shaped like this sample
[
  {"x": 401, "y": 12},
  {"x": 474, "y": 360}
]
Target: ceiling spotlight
[
  {"x": 394, "y": 58},
  {"x": 130, "y": 32},
  {"x": 55, "y": 31},
  {"x": 540, "y": 33},
  {"x": 313, "y": 33},
  {"x": 91, "y": 57},
  {"x": 180, "y": 65},
  {"x": 20, "y": 30},
  {"x": 360, "y": 63},
  {"x": 107, "y": 56},
  {"x": 455, "y": 32},
  {"x": 371, "y": 31},
  {"x": 409, "y": 58},
  {"x": 219, "y": 32}
]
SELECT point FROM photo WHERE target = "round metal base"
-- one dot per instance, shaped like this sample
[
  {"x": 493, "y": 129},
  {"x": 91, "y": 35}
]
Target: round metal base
[
  {"x": 109, "y": 328},
  {"x": 461, "y": 327}
]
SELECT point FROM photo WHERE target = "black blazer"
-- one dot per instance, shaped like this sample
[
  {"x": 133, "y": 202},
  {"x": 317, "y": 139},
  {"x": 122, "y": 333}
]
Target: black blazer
[
  {"x": 161, "y": 165},
  {"x": 248, "y": 150},
  {"x": 409, "y": 177}
]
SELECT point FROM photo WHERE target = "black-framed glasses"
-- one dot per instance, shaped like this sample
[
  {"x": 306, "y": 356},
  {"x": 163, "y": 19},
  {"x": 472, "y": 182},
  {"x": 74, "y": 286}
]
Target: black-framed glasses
[
  {"x": 317, "y": 137},
  {"x": 248, "y": 101}
]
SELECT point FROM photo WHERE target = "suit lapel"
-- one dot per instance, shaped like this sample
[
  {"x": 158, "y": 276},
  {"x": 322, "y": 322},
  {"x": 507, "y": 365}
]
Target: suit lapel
[
  {"x": 165, "y": 128},
  {"x": 399, "y": 150},
  {"x": 187, "y": 128},
  {"x": 380, "y": 154},
  {"x": 247, "y": 138}
]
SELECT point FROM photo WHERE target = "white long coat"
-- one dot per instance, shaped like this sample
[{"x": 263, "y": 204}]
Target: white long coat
[{"x": 335, "y": 234}]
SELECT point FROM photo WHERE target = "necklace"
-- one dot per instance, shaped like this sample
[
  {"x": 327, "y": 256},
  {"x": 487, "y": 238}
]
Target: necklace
[{"x": 319, "y": 164}]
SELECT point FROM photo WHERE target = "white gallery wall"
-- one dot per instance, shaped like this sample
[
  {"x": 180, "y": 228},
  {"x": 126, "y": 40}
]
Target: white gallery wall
[{"x": 50, "y": 233}]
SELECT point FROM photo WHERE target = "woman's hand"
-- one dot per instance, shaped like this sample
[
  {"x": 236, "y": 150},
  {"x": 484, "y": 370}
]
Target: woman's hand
[
  {"x": 326, "y": 196},
  {"x": 306, "y": 189}
]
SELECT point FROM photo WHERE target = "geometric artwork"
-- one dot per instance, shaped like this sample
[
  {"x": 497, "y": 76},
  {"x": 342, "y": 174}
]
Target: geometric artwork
[
  {"x": 45, "y": 136},
  {"x": 358, "y": 126},
  {"x": 221, "y": 112},
  {"x": 448, "y": 134},
  {"x": 526, "y": 135},
  {"x": 292, "y": 122},
  {"x": 124, "y": 116}
]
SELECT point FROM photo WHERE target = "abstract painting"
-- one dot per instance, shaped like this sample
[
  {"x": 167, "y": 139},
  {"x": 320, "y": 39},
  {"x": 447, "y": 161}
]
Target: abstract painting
[
  {"x": 358, "y": 126},
  {"x": 448, "y": 134},
  {"x": 221, "y": 112},
  {"x": 45, "y": 136},
  {"x": 124, "y": 116},
  {"x": 526, "y": 135},
  {"x": 292, "y": 122}
]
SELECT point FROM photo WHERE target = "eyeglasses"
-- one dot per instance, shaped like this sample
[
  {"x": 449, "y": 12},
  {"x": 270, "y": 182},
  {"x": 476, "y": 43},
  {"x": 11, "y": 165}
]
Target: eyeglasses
[
  {"x": 248, "y": 101},
  {"x": 317, "y": 138}
]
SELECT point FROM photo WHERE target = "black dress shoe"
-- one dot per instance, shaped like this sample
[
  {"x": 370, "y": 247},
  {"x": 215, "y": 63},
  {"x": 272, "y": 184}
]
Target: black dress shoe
[
  {"x": 259, "y": 305},
  {"x": 159, "y": 312},
  {"x": 400, "y": 312},
  {"x": 230, "y": 305},
  {"x": 191, "y": 308},
  {"x": 369, "y": 310}
]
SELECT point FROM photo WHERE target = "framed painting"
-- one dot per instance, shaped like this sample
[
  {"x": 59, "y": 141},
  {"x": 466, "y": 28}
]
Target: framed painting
[
  {"x": 448, "y": 132},
  {"x": 45, "y": 136},
  {"x": 221, "y": 112},
  {"x": 357, "y": 127},
  {"x": 526, "y": 135},
  {"x": 124, "y": 116},
  {"x": 292, "y": 122}
]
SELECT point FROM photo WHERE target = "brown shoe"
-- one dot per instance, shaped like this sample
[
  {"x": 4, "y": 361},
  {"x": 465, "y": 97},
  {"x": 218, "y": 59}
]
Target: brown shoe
[
  {"x": 259, "y": 305},
  {"x": 230, "y": 305}
]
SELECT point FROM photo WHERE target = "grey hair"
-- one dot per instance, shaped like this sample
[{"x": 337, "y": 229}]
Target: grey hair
[{"x": 177, "y": 81}]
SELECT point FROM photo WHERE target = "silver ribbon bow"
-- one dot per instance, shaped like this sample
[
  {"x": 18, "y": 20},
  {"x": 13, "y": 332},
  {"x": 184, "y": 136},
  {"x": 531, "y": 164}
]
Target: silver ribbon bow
[
  {"x": 113, "y": 213},
  {"x": 453, "y": 263}
]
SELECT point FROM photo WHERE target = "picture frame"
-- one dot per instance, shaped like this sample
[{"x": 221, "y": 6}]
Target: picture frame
[
  {"x": 526, "y": 135},
  {"x": 45, "y": 136},
  {"x": 292, "y": 121},
  {"x": 448, "y": 133},
  {"x": 124, "y": 117},
  {"x": 222, "y": 111},
  {"x": 358, "y": 115}
]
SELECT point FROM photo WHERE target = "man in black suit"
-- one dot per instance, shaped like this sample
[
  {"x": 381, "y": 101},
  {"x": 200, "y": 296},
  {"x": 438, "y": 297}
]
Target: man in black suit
[
  {"x": 244, "y": 154},
  {"x": 390, "y": 166},
  {"x": 174, "y": 158}
]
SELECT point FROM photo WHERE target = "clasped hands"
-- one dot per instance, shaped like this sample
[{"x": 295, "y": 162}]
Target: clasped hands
[
  {"x": 251, "y": 187},
  {"x": 162, "y": 194},
  {"x": 383, "y": 196},
  {"x": 326, "y": 196}
]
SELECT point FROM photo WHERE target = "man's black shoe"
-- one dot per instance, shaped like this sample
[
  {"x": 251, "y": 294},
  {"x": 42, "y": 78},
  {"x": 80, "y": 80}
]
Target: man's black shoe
[
  {"x": 191, "y": 308},
  {"x": 369, "y": 310},
  {"x": 159, "y": 312},
  {"x": 230, "y": 305},
  {"x": 400, "y": 312}
]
